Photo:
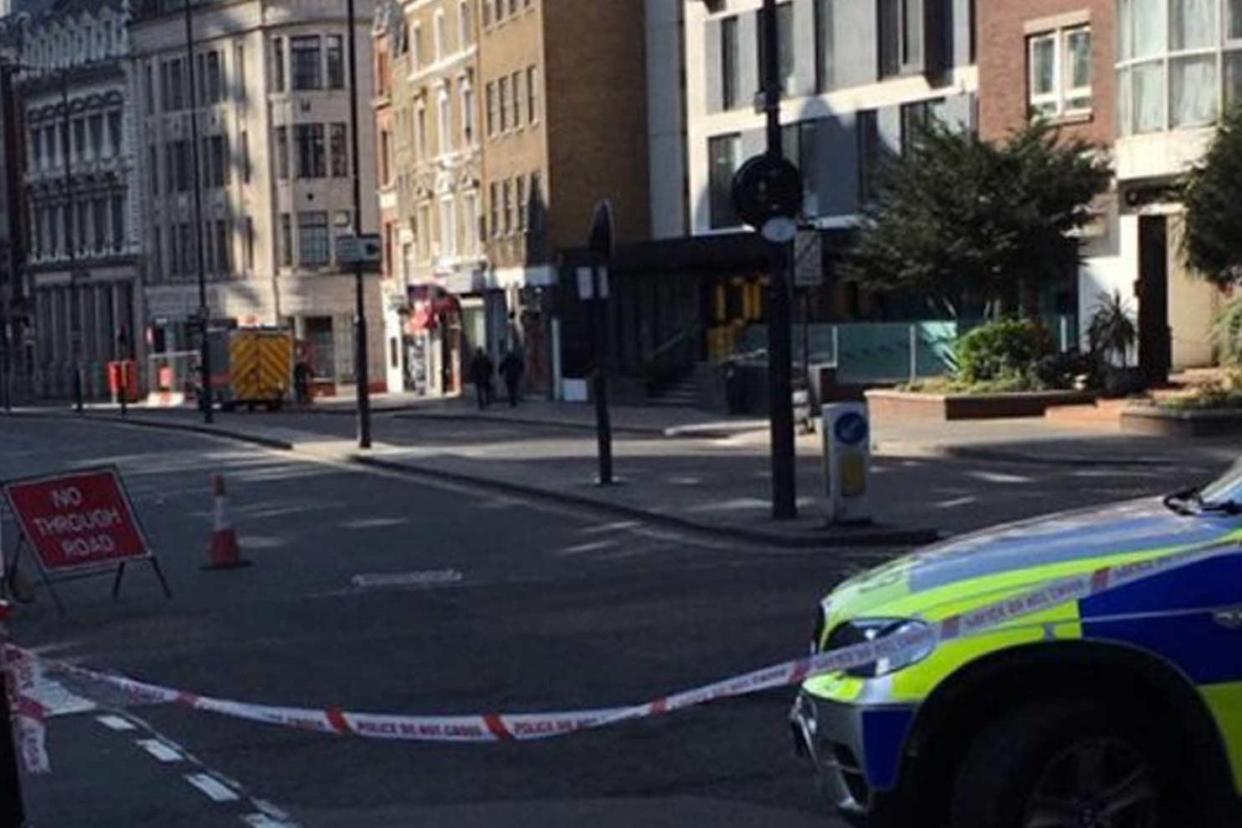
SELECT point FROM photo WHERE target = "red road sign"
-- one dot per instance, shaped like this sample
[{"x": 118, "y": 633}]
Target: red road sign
[{"x": 77, "y": 521}]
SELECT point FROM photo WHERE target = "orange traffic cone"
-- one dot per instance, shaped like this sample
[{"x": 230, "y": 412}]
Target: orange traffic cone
[{"x": 223, "y": 552}]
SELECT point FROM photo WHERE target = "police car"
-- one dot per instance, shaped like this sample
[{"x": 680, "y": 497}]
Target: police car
[{"x": 1119, "y": 710}]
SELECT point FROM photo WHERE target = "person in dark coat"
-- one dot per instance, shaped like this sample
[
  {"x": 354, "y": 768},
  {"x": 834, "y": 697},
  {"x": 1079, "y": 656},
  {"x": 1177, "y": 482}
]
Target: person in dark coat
[
  {"x": 302, "y": 382},
  {"x": 512, "y": 368},
  {"x": 481, "y": 371}
]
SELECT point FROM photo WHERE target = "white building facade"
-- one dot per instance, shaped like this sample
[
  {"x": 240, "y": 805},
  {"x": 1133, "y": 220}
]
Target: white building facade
[
  {"x": 275, "y": 166},
  {"x": 82, "y": 195},
  {"x": 1179, "y": 66}
]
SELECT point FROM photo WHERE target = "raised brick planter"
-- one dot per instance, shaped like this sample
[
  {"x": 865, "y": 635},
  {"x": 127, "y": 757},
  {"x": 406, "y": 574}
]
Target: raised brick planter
[
  {"x": 1164, "y": 422},
  {"x": 909, "y": 405}
]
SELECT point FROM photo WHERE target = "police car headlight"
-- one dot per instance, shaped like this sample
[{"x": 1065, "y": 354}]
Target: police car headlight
[{"x": 863, "y": 630}]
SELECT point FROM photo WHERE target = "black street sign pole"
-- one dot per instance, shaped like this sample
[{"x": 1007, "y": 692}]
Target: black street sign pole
[
  {"x": 600, "y": 242},
  {"x": 360, "y": 317},
  {"x": 71, "y": 215},
  {"x": 204, "y": 313},
  {"x": 780, "y": 333}
]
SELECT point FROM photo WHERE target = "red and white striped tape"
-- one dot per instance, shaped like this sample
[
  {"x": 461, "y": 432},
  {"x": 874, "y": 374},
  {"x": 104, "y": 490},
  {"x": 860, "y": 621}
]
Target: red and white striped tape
[{"x": 496, "y": 727}]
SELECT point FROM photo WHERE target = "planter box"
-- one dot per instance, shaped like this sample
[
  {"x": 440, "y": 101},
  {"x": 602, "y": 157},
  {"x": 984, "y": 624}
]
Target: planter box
[
  {"x": 908, "y": 405},
  {"x": 1161, "y": 422}
]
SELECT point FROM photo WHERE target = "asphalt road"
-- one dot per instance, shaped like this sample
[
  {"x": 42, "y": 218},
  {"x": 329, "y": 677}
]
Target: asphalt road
[{"x": 555, "y": 610}]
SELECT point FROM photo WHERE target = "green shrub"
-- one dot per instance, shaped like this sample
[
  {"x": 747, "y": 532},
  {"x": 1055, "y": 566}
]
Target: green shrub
[
  {"x": 1004, "y": 354},
  {"x": 1227, "y": 333}
]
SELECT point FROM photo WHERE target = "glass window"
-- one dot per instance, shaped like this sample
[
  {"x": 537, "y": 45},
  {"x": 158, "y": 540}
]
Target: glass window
[
  {"x": 730, "y": 78},
  {"x": 1194, "y": 90},
  {"x": 1148, "y": 89},
  {"x": 912, "y": 33},
  {"x": 1147, "y": 38},
  {"x": 1233, "y": 78},
  {"x": 1044, "y": 74},
  {"x": 305, "y": 59},
  {"x": 118, "y": 222},
  {"x": 1234, "y": 32},
  {"x": 313, "y": 247},
  {"x": 1078, "y": 71},
  {"x": 824, "y": 47},
  {"x": 491, "y": 109},
  {"x": 286, "y": 241},
  {"x": 1194, "y": 24},
  {"x": 310, "y": 150},
  {"x": 282, "y": 152},
  {"x": 532, "y": 93},
  {"x": 868, "y": 153},
  {"x": 114, "y": 131},
  {"x": 784, "y": 48},
  {"x": 725, "y": 154},
  {"x": 278, "y": 64},
  {"x": 336, "y": 62},
  {"x": 337, "y": 148},
  {"x": 503, "y": 97}
]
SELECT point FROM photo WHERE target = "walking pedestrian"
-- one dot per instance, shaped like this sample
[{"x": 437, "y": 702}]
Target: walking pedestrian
[
  {"x": 302, "y": 381},
  {"x": 512, "y": 368},
  {"x": 481, "y": 371}
]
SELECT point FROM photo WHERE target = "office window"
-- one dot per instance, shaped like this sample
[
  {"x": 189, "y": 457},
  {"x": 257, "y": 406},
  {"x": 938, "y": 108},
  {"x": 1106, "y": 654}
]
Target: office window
[
  {"x": 209, "y": 248},
  {"x": 118, "y": 222},
  {"x": 189, "y": 249},
  {"x": 313, "y": 246},
  {"x": 153, "y": 169},
  {"x": 282, "y": 152},
  {"x": 99, "y": 214},
  {"x": 518, "y": 98},
  {"x": 506, "y": 217},
  {"x": 310, "y": 150},
  {"x": 114, "y": 132},
  {"x": 465, "y": 23},
  {"x": 532, "y": 93},
  {"x": 385, "y": 153},
  {"x": 213, "y": 78},
  {"x": 335, "y": 54},
  {"x": 248, "y": 243},
  {"x": 444, "y": 116},
  {"x": 157, "y": 258},
  {"x": 448, "y": 230},
  {"x": 901, "y": 37},
  {"x": 286, "y": 241},
  {"x": 307, "y": 68},
  {"x": 95, "y": 123},
  {"x": 239, "y": 72},
  {"x": 725, "y": 155},
  {"x": 784, "y": 48},
  {"x": 149, "y": 87},
  {"x": 467, "y": 111},
  {"x": 730, "y": 66},
  {"x": 491, "y": 109},
  {"x": 278, "y": 64},
  {"x": 1060, "y": 72},
  {"x": 420, "y": 132},
  {"x": 337, "y": 148},
  {"x": 917, "y": 117},
  {"x": 79, "y": 138},
  {"x": 825, "y": 48},
  {"x": 174, "y": 253},
  {"x": 440, "y": 35},
  {"x": 799, "y": 143},
  {"x": 869, "y": 154},
  {"x": 244, "y": 139},
  {"x": 417, "y": 55},
  {"x": 493, "y": 209},
  {"x": 36, "y": 149},
  {"x": 503, "y": 94},
  {"x": 519, "y": 202},
  {"x": 224, "y": 248}
]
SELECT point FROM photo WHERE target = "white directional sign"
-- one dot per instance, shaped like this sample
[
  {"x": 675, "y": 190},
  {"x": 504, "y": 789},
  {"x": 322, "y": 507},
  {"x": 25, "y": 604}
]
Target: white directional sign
[{"x": 808, "y": 259}]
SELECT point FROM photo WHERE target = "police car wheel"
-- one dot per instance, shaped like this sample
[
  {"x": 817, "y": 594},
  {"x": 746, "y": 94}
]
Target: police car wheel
[{"x": 1062, "y": 765}]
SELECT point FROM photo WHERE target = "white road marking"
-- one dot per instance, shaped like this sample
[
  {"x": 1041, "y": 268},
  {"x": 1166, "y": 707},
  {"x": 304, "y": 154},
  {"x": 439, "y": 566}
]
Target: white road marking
[
  {"x": 259, "y": 820},
  {"x": 216, "y": 790},
  {"x": 374, "y": 523},
  {"x": 114, "y": 723},
  {"x": 160, "y": 750},
  {"x": 406, "y": 579},
  {"x": 998, "y": 477},
  {"x": 956, "y": 503}
]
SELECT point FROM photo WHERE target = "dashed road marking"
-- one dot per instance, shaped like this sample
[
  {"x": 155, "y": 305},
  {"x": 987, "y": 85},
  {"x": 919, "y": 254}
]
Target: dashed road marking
[
  {"x": 160, "y": 750},
  {"x": 407, "y": 579},
  {"x": 260, "y": 820},
  {"x": 115, "y": 723},
  {"x": 215, "y": 790}
]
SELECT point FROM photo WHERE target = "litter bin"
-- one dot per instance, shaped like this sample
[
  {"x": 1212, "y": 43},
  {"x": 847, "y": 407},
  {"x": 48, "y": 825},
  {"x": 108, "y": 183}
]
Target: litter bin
[{"x": 123, "y": 375}]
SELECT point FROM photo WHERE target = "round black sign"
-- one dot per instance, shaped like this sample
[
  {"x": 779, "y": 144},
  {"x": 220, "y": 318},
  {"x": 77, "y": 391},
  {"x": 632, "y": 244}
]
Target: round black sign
[{"x": 766, "y": 188}]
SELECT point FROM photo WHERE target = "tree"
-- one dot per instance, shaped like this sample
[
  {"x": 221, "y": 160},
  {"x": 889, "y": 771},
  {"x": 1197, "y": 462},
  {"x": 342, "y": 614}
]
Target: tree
[
  {"x": 956, "y": 217},
  {"x": 1213, "y": 198}
]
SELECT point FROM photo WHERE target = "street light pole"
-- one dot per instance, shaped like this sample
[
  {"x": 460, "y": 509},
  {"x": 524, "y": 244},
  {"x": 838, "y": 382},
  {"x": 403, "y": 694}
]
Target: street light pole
[
  {"x": 204, "y": 312},
  {"x": 780, "y": 318},
  {"x": 360, "y": 316}
]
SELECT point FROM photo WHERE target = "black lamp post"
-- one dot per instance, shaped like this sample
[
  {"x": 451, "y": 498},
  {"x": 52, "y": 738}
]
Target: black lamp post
[{"x": 361, "y": 374}]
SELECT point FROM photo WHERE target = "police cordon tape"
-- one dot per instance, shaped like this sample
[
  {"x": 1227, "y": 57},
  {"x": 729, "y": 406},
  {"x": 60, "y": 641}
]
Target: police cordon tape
[{"x": 499, "y": 727}]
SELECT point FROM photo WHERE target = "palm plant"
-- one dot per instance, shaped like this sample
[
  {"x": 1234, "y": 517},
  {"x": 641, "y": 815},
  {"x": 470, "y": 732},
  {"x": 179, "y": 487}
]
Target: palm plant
[{"x": 1112, "y": 331}]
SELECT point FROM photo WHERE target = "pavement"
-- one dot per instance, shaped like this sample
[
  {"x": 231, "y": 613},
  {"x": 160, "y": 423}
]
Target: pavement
[{"x": 558, "y": 606}]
